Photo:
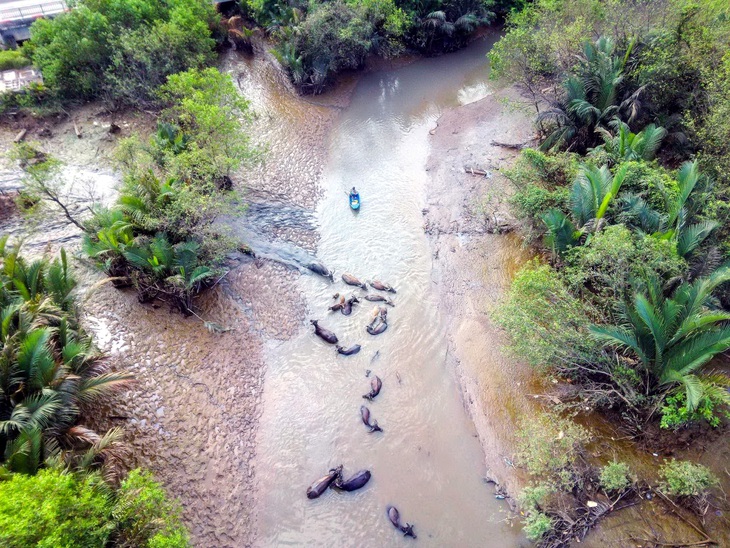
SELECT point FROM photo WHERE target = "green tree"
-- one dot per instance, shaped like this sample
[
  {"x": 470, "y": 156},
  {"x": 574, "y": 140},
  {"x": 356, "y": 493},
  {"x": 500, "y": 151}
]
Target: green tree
[
  {"x": 208, "y": 109},
  {"x": 54, "y": 509},
  {"x": 72, "y": 51},
  {"x": 145, "y": 515}
]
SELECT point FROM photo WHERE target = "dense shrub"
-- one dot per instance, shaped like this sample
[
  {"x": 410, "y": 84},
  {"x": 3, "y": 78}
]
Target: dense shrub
[
  {"x": 548, "y": 447},
  {"x": 681, "y": 478},
  {"x": 545, "y": 322},
  {"x": 676, "y": 413},
  {"x": 58, "y": 509},
  {"x": 145, "y": 516},
  {"x": 13, "y": 59},
  {"x": 336, "y": 36},
  {"x": 615, "y": 476},
  {"x": 54, "y": 509},
  {"x": 536, "y": 525},
  {"x": 606, "y": 269},
  {"x": 162, "y": 234}
]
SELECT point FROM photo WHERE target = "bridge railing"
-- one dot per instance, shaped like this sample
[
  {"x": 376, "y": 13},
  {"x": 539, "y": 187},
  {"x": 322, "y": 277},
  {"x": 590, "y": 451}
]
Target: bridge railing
[{"x": 9, "y": 16}]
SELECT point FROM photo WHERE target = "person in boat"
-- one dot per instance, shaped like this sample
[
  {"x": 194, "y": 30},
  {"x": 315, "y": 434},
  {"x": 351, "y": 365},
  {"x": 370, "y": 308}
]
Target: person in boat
[{"x": 353, "y": 192}]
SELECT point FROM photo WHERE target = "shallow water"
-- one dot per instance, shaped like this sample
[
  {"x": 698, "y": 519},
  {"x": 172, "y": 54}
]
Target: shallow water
[{"x": 427, "y": 461}]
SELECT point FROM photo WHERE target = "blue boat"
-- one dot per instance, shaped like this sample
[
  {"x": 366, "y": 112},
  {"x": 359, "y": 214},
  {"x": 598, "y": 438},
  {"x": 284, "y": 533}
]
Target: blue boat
[{"x": 354, "y": 199}]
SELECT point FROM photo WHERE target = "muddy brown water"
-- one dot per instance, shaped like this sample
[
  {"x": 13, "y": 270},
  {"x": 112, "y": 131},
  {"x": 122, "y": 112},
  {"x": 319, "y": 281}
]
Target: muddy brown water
[{"x": 427, "y": 461}]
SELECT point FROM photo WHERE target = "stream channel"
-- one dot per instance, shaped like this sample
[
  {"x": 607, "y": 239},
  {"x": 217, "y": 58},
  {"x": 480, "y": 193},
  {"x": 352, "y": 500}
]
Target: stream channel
[{"x": 428, "y": 461}]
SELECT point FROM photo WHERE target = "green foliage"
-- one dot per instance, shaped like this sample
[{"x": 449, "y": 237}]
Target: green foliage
[
  {"x": 536, "y": 525},
  {"x": 209, "y": 111},
  {"x": 681, "y": 478},
  {"x": 145, "y": 516},
  {"x": 673, "y": 337},
  {"x": 615, "y": 476},
  {"x": 58, "y": 509},
  {"x": 162, "y": 235},
  {"x": 123, "y": 50},
  {"x": 336, "y": 36},
  {"x": 49, "y": 370},
  {"x": 605, "y": 270},
  {"x": 535, "y": 497},
  {"x": 548, "y": 448},
  {"x": 163, "y": 49},
  {"x": 626, "y": 146},
  {"x": 546, "y": 324},
  {"x": 676, "y": 414},
  {"x": 54, "y": 509},
  {"x": 13, "y": 59}
]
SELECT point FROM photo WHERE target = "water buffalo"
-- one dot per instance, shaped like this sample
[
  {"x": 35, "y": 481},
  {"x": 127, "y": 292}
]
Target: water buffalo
[
  {"x": 325, "y": 334},
  {"x": 319, "y": 486}
]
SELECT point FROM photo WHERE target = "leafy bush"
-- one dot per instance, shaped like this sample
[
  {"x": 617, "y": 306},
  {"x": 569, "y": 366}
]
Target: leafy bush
[
  {"x": 676, "y": 413},
  {"x": 336, "y": 36},
  {"x": 145, "y": 516},
  {"x": 548, "y": 448},
  {"x": 605, "y": 270},
  {"x": 13, "y": 59},
  {"x": 162, "y": 235},
  {"x": 536, "y": 496},
  {"x": 54, "y": 509},
  {"x": 615, "y": 476},
  {"x": 536, "y": 525},
  {"x": 547, "y": 325},
  {"x": 682, "y": 478}
]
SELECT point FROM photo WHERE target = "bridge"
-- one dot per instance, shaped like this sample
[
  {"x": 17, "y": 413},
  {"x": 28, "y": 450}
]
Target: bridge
[{"x": 16, "y": 17}]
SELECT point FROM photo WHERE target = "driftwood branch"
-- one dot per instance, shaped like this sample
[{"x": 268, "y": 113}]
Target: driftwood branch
[
  {"x": 513, "y": 146},
  {"x": 20, "y": 136}
]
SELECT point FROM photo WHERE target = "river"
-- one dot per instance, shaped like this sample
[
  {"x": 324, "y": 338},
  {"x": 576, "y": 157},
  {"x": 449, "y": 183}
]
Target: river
[{"x": 428, "y": 461}]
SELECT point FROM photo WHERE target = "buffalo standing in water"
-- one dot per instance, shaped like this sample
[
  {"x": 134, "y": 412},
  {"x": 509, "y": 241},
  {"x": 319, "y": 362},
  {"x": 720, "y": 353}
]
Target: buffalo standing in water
[
  {"x": 347, "y": 307},
  {"x": 325, "y": 334},
  {"x": 354, "y": 483},
  {"x": 379, "y": 323},
  {"x": 365, "y": 415},
  {"x": 319, "y": 486},
  {"x": 319, "y": 268},
  {"x": 375, "y": 385},
  {"x": 349, "y": 279},
  {"x": 380, "y": 286},
  {"x": 378, "y": 298},
  {"x": 339, "y": 305},
  {"x": 394, "y": 517},
  {"x": 354, "y": 349}
]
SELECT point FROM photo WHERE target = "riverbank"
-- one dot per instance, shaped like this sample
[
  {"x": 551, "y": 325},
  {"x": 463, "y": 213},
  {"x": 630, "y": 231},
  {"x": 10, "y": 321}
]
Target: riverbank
[
  {"x": 473, "y": 265},
  {"x": 472, "y": 269}
]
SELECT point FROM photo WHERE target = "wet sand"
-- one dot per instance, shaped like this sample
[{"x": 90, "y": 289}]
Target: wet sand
[{"x": 472, "y": 267}]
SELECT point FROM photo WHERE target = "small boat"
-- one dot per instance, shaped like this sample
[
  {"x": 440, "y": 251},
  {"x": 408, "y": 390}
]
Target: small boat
[{"x": 355, "y": 200}]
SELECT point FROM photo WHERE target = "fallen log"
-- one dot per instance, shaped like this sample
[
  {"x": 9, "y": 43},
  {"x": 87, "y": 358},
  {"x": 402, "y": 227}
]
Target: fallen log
[
  {"x": 475, "y": 171},
  {"x": 513, "y": 146},
  {"x": 20, "y": 136}
]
